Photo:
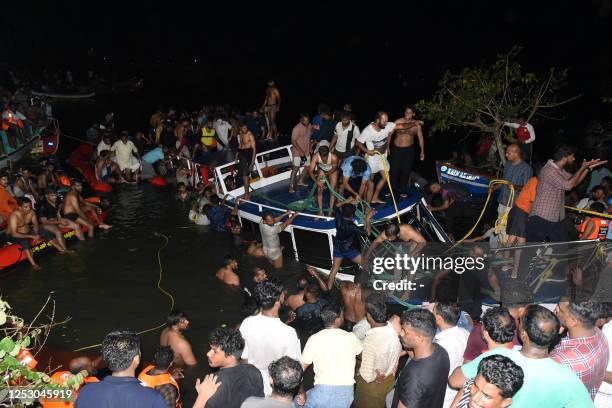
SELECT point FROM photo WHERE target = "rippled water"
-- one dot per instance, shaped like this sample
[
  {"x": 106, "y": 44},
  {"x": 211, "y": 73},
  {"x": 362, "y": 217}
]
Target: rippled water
[{"x": 111, "y": 281}]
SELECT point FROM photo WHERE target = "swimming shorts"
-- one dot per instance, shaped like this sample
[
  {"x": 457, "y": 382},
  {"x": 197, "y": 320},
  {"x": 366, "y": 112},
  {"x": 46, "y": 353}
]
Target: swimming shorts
[
  {"x": 346, "y": 253},
  {"x": 272, "y": 253},
  {"x": 71, "y": 217},
  {"x": 245, "y": 157}
]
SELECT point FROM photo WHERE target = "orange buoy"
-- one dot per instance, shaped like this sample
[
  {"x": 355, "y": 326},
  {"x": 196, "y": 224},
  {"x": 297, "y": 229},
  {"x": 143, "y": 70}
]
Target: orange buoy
[
  {"x": 158, "y": 181},
  {"x": 102, "y": 187}
]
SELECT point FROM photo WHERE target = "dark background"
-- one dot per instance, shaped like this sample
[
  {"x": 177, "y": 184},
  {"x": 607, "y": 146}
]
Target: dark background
[{"x": 377, "y": 57}]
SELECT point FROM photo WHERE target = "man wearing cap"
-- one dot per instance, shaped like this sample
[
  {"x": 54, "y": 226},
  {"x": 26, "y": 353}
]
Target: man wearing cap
[{"x": 324, "y": 165}]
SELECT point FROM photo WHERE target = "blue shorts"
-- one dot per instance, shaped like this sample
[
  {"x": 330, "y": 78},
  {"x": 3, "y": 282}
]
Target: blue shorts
[{"x": 351, "y": 253}]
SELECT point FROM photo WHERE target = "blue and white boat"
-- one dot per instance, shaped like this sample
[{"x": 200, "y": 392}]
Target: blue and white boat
[
  {"x": 310, "y": 235},
  {"x": 475, "y": 181}
]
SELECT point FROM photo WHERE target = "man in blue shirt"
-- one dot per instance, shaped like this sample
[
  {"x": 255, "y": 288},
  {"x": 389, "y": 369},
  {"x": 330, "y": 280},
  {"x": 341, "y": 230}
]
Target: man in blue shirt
[
  {"x": 121, "y": 351},
  {"x": 150, "y": 158},
  {"x": 353, "y": 168}
]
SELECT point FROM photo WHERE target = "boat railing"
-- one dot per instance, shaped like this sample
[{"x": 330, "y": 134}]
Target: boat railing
[{"x": 282, "y": 210}]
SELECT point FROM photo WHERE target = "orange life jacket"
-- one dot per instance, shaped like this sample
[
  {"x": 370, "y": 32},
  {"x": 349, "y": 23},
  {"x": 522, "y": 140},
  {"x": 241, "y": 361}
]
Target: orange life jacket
[
  {"x": 522, "y": 133},
  {"x": 599, "y": 232},
  {"x": 64, "y": 181},
  {"x": 153, "y": 381},
  {"x": 60, "y": 378}
]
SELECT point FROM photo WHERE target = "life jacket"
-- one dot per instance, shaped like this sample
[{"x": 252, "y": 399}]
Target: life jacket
[
  {"x": 522, "y": 134},
  {"x": 153, "y": 381},
  {"x": 484, "y": 146},
  {"x": 601, "y": 228},
  {"x": 209, "y": 137},
  {"x": 61, "y": 378},
  {"x": 64, "y": 181}
]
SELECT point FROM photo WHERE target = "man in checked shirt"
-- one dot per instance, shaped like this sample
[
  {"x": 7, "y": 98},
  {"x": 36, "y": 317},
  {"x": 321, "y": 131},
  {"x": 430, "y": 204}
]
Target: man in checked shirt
[
  {"x": 585, "y": 349},
  {"x": 545, "y": 223}
]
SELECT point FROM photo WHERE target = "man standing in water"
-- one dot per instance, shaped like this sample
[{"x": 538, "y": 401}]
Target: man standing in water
[
  {"x": 271, "y": 107},
  {"x": 270, "y": 236},
  {"x": 172, "y": 336},
  {"x": 246, "y": 157},
  {"x": 374, "y": 142},
  {"x": 74, "y": 209},
  {"x": 403, "y": 150}
]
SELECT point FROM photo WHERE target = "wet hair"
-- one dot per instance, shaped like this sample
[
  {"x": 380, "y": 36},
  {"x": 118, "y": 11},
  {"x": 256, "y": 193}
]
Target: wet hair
[
  {"x": 229, "y": 340},
  {"x": 597, "y": 207},
  {"x": 314, "y": 291},
  {"x": 412, "y": 108},
  {"x": 330, "y": 313},
  {"x": 267, "y": 214},
  {"x": 228, "y": 259},
  {"x": 119, "y": 349},
  {"x": 503, "y": 373},
  {"x": 499, "y": 324},
  {"x": 174, "y": 317},
  {"x": 362, "y": 278},
  {"x": 420, "y": 319},
  {"x": 302, "y": 283},
  {"x": 449, "y": 312},
  {"x": 268, "y": 292},
  {"x": 534, "y": 317},
  {"x": 359, "y": 166},
  {"x": 585, "y": 312},
  {"x": 324, "y": 150},
  {"x": 392, "y": 229},
  {"x": 163, "y": 357},
  {"x": 376, "y": 306},
  {"x": 563, "y": 150},
  {"x": 286, "y": 374},
  {"x": 348, "y": 210},
  {"x": 23, "y": 200}
]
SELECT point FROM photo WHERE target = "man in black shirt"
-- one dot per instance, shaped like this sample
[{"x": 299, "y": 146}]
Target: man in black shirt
[
  {"x": 49, "y": 214},
  {"x": 238, "y": 381},
  {"x": 422, "y": 381},
  {"x": 327, "y": 127},
  {"x": 346, "y": 231}
]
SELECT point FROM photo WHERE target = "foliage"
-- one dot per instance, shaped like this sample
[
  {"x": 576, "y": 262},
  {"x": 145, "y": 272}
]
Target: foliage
[
  {"x": 482, "y": 98},
  {"x": 15, "y": 337}
]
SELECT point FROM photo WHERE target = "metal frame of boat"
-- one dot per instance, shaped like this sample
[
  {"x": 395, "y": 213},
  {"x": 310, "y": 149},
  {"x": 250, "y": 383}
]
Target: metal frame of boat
[{"x": 308, "y": 227}]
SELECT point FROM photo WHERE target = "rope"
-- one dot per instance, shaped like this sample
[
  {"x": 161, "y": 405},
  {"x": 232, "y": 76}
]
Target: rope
[
  {"x": 581, "y": 211},
  {"x": 161, "y": 273},
  {"x": 384, "y": 160}
]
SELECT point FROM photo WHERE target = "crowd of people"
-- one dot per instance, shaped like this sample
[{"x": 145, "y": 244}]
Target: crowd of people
[{"x": 361, "y": 352}]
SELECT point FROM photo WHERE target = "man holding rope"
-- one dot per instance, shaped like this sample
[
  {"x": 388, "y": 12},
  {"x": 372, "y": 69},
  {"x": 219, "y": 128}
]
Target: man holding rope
[{"x": 374, "y": 142}]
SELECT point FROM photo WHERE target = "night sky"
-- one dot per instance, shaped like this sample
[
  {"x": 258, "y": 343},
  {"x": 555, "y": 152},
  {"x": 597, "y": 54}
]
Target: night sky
[{"x": 382, "y": 55}]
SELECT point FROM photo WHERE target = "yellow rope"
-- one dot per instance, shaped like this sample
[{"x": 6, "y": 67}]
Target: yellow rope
[
  {"x": 581, "y": 211},
  {"x": 399, "y": 221},
  {"x": 161, "y": 272}
]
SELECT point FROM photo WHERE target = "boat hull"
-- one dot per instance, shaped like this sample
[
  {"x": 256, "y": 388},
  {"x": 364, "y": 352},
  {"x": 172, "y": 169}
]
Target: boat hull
[{"x": 475, "y": 182}]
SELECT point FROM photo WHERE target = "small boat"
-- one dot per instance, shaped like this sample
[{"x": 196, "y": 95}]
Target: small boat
[
  {"x": 80, "y": 160},
  {"x": 29, "y": 135},
  {"x": 476, "y": 181},
  {"x": 68, "y": 95},
  {"x": 310, "y": 235}
]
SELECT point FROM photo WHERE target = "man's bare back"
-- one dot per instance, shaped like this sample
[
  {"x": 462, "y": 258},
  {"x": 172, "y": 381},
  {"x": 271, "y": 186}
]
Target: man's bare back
[
  {"x": 228, "y": 276},
  {"x": 353, "y": 301},
  {"x": 183, "y": 355},
  {"x": 296, "y": 301}
]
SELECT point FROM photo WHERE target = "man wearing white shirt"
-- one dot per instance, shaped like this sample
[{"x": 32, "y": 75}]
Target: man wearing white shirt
[
  {"x": 380, "y": 356},
  {"x": 222, "y": 127},
  {"x": 374, "y": 142},
  {"x": 105, "y": 143},
  {"x": 126, "y": 156},
  {"x": 452, "y": 338},
  {"x": 266, "y": 337},
  {"x": 345, "y": 134}
]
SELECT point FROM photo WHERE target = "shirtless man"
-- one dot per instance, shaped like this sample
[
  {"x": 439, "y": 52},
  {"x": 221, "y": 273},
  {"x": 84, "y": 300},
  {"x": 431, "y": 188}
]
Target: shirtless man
[
  {"x": 246, "y": 157},
  {"x": 227, "y": 273},
  {"x": 297, "y": 300},
  {"x": 106, "y": 169},
  {"x": 75, "y": 206},
  {"x": 48, "y": 213},
  {"x": 271, "y": 106},
  {"x": 324, "y": 164},
  {"x": 394, "y": 232},
  {"x": 47, "y": 177},
  {"x": 23, "y": 226},
  {"x": 172, "y": 336},
  {"x": 403, "y": 150},
  {"x": 354, "y": 295}
]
